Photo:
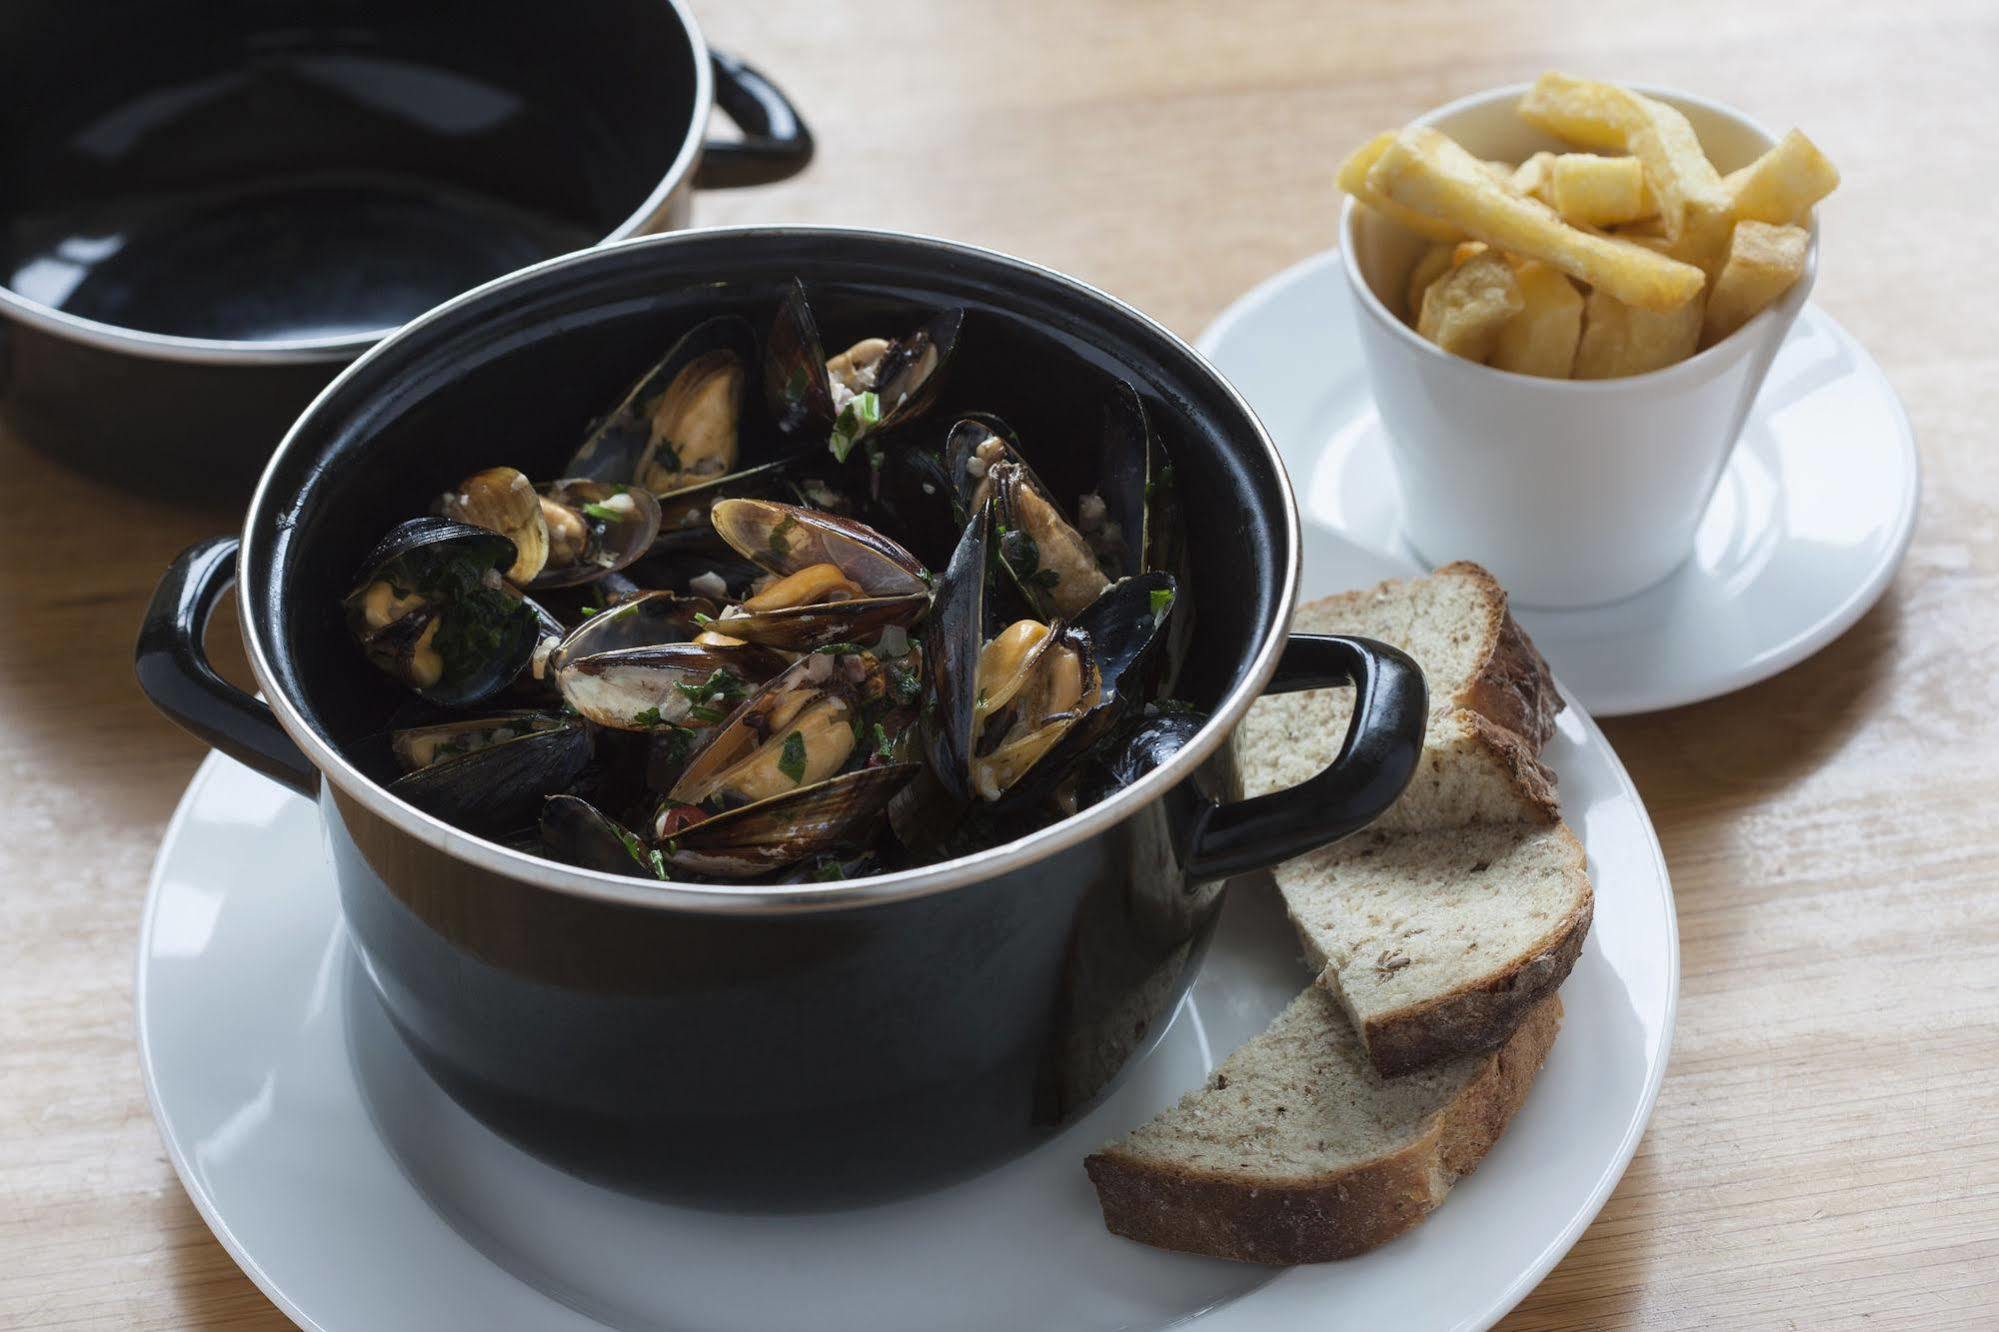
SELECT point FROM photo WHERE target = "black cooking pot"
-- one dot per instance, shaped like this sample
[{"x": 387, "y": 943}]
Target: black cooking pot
[
  {"x": 206, "y": 210},
  {"x": 781, "y": 1044}
]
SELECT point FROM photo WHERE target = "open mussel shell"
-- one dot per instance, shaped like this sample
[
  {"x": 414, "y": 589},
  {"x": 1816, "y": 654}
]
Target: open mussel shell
[
  {"x": 910, "y": 375},
  {"x": 645, "y": 620},
  {"x": 957, "y": 631},
  {"x": 788, "y": 538},
  {"x": 433, "y": 611},
  {"x": 1050, "y": 561},
  {"x": 974, "y": 443},
  {"x": 813, "y": 704},
  {"x": 795, "y": 384},
  {"x": 503, "y": 500},
  {"x": 1037, "y": 685},
  {"x": 418, "y": 747},
  {"x": 500, "y": 785},
  {"x": 913, "y": 491},
  {"x": 822, "y": 819},
  {"x": 576, "y": 832},
  {"x": 1132, "y": 528},
  {"x": 680, "y": 425},
  {"x": 805, "y": 628},
  {"x": 1124, "y": 630},
  {"x": 593, "y": 528},
  {"x": 667, "y": 684}
]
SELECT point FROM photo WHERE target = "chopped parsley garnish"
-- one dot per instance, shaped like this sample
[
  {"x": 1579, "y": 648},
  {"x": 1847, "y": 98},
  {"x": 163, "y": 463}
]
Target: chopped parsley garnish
[
  {"x": 791, "y": 762},
  {"x": 589, "y": 611},
  {"x": 884, "y": 742},
  {"x": 649, "y": 718},
  {"x": 658, "y": 863},
  {"x": 723, "y": 684},
  {"x": 862, "y": 412},
  {"x": 828, "y": 870},
  {"x": 1161, "y": 599},
  {"x": 603, "y": 513},
  {"x": 702, "y": 617},
  {"x": 903, "y": 684},
  {"x": 709, "y": 715}
]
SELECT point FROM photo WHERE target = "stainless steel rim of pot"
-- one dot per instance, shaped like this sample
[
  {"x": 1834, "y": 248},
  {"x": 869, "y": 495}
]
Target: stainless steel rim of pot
[
  {"x": 773, "y": 899},
  {"x": 332, "y": 350}
]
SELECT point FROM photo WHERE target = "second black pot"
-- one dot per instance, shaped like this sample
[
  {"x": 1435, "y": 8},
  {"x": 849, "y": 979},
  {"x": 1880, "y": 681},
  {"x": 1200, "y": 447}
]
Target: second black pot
[{"x": 203, "y": 220}]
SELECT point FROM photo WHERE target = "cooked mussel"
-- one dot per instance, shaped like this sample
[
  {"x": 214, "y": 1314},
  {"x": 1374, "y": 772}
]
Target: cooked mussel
[
  {"x": 839, "y": 814},
  {"x": 869, "y": 388},
  {"x": 1052, "y": 564},
  {"x": 832, "y": 580},
  {"x": 1016, "y": 710},
  {"x": 668, "y": 684},
  {"x": 434, "y": 611},
  {"x": 503, "y": 500},
  {"x": 490, "y": 774},
  {"x": 418, "y": 747},
  {"x": 595, "y": 528},
  {"x": 776, "y": 782},
  {"x": 680, "y": 425},
  {"x": 646, "y": 620}
]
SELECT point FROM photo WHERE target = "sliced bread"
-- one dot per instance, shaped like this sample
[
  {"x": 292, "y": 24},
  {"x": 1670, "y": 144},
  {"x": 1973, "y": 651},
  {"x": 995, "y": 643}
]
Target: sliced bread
[
  {"x": 1467, "y": 902},
  {"x": 1455, "y": 624},
  {"x": 1438, "y": 943},
  {"x": 1471, "y": 770},
  {"x": 1298, "y": 1151}
]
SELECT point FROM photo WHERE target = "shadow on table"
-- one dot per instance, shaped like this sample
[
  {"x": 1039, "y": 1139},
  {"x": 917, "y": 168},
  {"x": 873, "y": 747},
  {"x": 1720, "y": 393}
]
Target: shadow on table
[{"x": 1701, "y": 765}]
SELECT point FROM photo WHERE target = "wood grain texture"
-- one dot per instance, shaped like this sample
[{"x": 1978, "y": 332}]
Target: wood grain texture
[{"x": 1825, "y": 1152}]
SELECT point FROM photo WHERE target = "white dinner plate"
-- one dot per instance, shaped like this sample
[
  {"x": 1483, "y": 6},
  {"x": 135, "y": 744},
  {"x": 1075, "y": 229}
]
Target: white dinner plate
[
  {"x": 1804, "y": 533},
  {"x": 361, "y": 1199}
]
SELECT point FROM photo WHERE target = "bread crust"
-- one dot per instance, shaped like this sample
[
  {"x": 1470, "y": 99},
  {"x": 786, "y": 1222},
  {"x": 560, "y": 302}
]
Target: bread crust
[
  {"x": 1478, "y": 1017},
  {"x": 1280, "y": 1221},
  {"x": 1514, "y": 689}
]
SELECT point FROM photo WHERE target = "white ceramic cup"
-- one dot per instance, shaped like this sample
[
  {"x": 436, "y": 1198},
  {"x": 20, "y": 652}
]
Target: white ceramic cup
[{"x": 1573, "y": 492}]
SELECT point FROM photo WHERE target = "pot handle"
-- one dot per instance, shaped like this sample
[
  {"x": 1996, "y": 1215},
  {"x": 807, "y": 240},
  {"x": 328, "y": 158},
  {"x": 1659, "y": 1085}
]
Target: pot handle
[
  {"x": 174, "y": 672},
  {"x": 1384, "y": 741},
  {"x": 775, "y": 145}
]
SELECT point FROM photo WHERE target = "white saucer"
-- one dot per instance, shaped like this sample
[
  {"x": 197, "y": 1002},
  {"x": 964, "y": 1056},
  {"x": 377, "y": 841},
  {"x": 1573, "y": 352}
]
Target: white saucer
[
  {"x": 360, "y": 1199},
  {"x": 1805, "y": 531}
]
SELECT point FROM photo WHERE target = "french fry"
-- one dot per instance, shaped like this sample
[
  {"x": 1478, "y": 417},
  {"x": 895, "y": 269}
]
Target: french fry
[
  {"x": 1531, "y": 176},
  {"x": 1620, "y": 339},
  {"x": 1353, "y": 178},
  {"x": 1593, "y": 191},
  {"x": 1763, "y": 262},
  {"x": 1464, "y": 310},
  {"x": 1541, "y": 339},
  {"x": 1499, "y": 170},
  {"x": 1434, "y": 263},
  {"x": 1584, "y": 112},
  {"x": 1424, "y": 171},
  {"x": 1602, "y": 115},
  {"x": 1781, "y": 186}
]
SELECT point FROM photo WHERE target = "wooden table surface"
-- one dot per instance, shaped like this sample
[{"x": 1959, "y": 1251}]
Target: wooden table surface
[{"x": 1826, "y": 1149}]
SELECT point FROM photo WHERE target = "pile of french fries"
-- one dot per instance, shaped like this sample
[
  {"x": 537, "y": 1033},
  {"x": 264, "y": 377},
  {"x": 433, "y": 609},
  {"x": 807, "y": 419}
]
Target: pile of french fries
[{"x": 1622, "y": 257}]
